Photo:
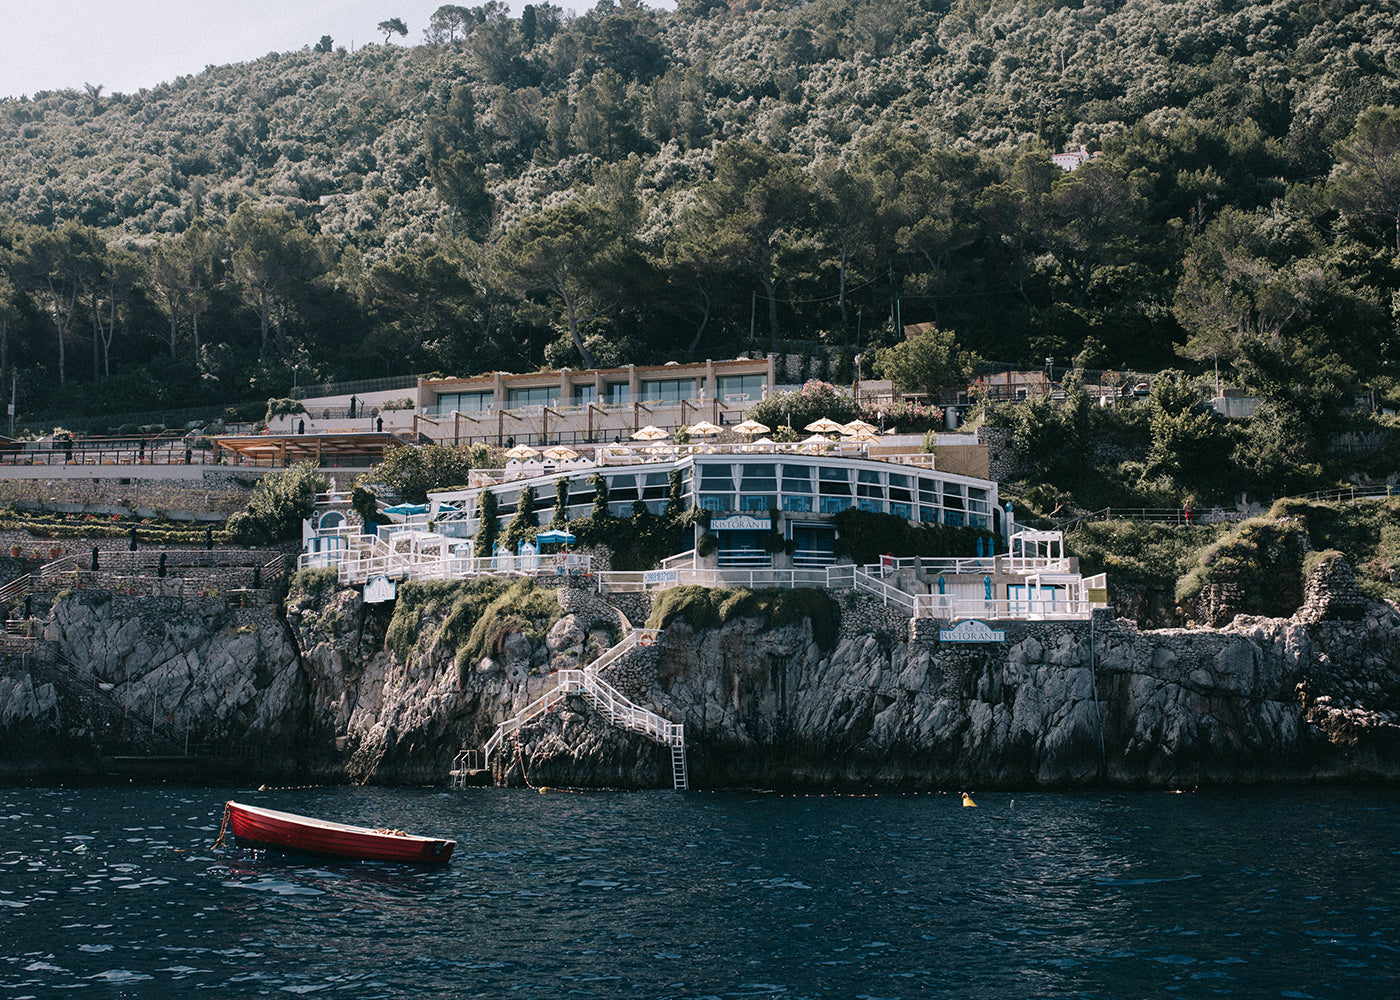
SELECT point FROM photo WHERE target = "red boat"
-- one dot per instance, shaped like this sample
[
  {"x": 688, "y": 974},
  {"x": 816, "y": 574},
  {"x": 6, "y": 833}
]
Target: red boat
[{"x": 282, "y": 831}]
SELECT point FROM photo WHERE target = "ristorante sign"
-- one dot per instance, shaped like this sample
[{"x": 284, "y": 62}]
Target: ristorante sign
[
  {"x": 740, "y": 522},
  {"x": 971, "y": 630}
]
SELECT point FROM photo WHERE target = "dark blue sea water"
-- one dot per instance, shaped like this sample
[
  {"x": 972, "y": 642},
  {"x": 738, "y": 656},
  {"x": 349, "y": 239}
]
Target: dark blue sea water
[{"x": 115, "y": 892}]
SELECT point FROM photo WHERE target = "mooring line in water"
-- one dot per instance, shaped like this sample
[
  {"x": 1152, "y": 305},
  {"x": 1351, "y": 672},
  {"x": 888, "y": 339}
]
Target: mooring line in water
[
  {"x": 520, "y": 759},
  {"x": 223, "y": 828}
]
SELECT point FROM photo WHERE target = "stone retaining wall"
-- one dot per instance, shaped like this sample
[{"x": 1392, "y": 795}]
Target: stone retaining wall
[
  {"x": 863, "y": 615},
  {"x": 1006, "y": 463},
  {"x": 213, "y": 491}
]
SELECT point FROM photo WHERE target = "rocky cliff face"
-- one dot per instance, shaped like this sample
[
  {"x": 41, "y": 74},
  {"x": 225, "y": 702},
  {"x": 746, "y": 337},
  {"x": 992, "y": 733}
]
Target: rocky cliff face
[
  {"x": 119, "y": 675},
  {"x": 1314, "y": 696}
]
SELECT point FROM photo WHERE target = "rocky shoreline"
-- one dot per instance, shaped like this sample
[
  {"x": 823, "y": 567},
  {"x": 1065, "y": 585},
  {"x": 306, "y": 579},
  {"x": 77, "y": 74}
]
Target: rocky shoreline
[{"x": 311, "y": 691}]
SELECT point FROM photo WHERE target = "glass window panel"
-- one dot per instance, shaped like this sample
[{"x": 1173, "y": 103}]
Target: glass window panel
[
  {"x": 658, "y": 486},
  {"x": 536, "y": 396},
  {"x": 737, "y": 388},
  {"x": 622, "y": 488},
  {"x": 835, "y": 482},
  {"x": 669, "y": 390}
]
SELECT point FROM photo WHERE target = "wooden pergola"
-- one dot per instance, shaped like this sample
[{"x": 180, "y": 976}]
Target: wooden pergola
[{"x": 325, "y": 450}]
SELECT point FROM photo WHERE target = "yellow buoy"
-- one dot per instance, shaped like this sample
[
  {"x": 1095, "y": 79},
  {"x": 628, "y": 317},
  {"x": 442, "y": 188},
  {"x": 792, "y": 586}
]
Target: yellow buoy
[
  {"x": 543, "y": 789},
  {"x": 967, "y": 801}
]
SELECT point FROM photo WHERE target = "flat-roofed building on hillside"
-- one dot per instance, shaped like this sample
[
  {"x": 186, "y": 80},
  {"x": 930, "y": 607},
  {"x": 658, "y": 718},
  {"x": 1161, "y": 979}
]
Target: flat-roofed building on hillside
[{"x": 580, "y": 406}]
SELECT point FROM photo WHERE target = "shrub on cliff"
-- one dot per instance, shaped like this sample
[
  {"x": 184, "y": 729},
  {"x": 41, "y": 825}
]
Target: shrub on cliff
[
  {"x": 315, "y": 582},
  {"x": 411, "y": 473},
  {"x": 1141, "y": 553},
  {"x": 1261, "y": 556},
  {"x": 1368, "y": 531},
  {"x": 471, "y": 618},
  {"x": 280, "y": 502},
  {"x": 706, "y": 608}
]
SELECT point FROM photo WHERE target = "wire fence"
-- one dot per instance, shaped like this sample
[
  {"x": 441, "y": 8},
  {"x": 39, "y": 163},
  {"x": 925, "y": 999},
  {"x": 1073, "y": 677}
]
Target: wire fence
[{"x": 1188, "y": 516}]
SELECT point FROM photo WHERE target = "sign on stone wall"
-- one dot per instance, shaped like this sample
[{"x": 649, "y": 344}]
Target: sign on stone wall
[
  {"x": 659, "y": 576},
  {"x": 379, "y": 589},
  {"x": 971, "y": 630}
]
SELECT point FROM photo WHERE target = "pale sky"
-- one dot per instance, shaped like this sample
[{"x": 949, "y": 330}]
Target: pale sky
[{"x": 124, "y": 45}]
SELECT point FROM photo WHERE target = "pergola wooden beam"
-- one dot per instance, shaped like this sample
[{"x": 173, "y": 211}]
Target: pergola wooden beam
[{"x": 281, "y": 450}]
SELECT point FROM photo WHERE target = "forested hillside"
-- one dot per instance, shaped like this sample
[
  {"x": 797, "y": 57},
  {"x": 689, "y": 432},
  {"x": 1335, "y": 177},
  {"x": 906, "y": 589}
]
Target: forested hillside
[{"x": 639, "y": 185}]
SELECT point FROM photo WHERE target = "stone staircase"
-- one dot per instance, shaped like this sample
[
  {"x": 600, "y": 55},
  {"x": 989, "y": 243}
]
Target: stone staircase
[{"x": 607, "y": 701}]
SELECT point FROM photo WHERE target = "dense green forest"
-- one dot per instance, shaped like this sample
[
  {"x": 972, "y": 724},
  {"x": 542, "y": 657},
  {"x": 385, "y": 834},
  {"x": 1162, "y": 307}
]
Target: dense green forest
[{"x": 638, "y": 185}]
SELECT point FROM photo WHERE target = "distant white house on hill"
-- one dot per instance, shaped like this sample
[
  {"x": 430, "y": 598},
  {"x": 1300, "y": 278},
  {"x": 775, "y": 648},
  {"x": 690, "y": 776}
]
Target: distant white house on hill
[{"x": 1073, "y": 160}]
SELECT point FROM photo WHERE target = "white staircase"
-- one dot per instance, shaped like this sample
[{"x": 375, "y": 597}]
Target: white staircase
[{"x": 606, "y": 700}]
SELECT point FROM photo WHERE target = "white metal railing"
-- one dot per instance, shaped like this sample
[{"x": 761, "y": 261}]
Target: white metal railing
[
  {"x": 929, "y": 564},
  {"x": 377, "y": 558},
  {"x": 1024, "y": 565},
  {"x": 618, "y": 582},
  {"x": 565, "y": 682},
  {"x": 686, "y": 558},
  {"x": 745, "y": 557},
  {"x": 869, "y": 581},
  {"x": 618, "y": 709},
  {"x": 956, "y": 608}
]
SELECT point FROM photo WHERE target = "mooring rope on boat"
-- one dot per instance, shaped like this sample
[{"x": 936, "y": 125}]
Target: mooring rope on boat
[{"x": 223, "y": 828}]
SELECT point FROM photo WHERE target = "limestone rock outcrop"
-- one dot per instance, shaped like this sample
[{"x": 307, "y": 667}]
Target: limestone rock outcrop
[{"x": 320, "y": 694}]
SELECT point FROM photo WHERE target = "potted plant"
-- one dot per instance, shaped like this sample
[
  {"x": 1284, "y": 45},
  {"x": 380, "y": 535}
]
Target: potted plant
[{"x": 16, "y": 550}]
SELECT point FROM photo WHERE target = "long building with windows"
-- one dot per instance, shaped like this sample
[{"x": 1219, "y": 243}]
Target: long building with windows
[
  {"x": 596, "y": 405},
  {"x": 749, "y": 494},
  {"x": 754, "y": 498}
]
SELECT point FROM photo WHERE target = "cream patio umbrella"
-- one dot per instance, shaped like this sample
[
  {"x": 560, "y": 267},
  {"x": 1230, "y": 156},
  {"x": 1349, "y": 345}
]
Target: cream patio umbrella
[
  {"x": 817, "y": 442},
  {"x": 560, "y": 454},
  {"x": 863, "y": 438},
  {"x": 824, "y": 426},
  {"x": 704, "y": 429},
  {"x": 650, "y": 433},
  {"x": 856, "y": 427},
  {"x": 522, "y": 453},
  {"x": 751, "y": 427}
]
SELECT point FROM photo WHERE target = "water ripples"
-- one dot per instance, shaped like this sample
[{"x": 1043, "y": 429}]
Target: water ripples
[{"x": 661, "y": 895}]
